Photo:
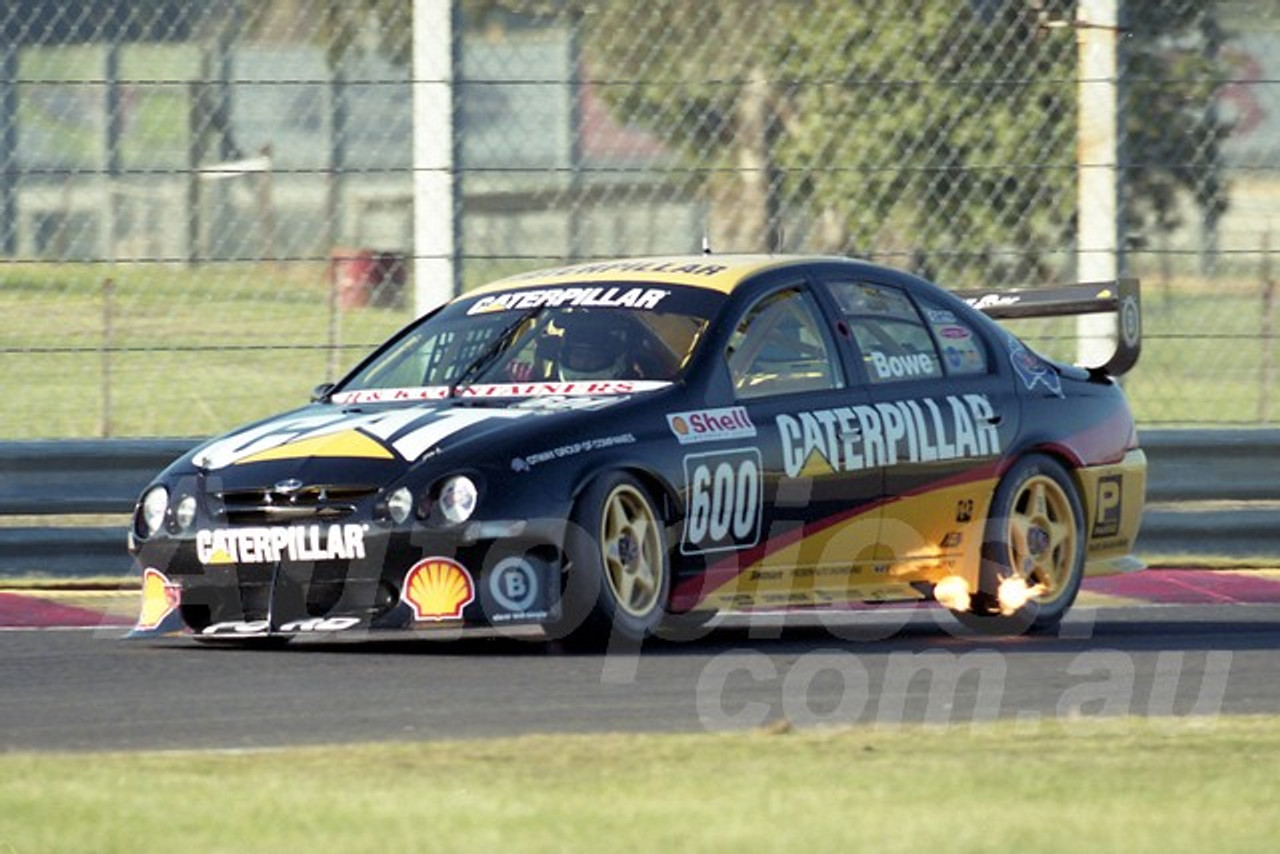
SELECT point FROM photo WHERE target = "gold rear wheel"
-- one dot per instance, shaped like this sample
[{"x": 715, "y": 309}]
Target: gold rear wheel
[
  {"x": 1044, "y": 539},
  {"x": 1033, "y": 550}
]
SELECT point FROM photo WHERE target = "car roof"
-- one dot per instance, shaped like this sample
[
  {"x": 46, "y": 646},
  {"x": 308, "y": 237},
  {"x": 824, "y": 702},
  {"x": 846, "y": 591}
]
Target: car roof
[{"x": 721, "y": 273}]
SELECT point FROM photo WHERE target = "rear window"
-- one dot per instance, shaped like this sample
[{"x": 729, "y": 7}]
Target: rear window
[
  {"x": 896, "y": 345},
  {"x": 900, "y": 342}
]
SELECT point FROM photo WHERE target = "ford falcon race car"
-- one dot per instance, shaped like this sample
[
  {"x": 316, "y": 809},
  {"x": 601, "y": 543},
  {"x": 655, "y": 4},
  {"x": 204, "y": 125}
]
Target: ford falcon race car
[{"x": 589, "y": 450}]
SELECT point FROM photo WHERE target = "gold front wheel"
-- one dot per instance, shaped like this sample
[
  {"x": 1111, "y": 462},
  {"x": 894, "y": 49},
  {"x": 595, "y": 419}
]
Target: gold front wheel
[
  {"x": 618, "y": 571},
  {"x": 632, "y": 551}
]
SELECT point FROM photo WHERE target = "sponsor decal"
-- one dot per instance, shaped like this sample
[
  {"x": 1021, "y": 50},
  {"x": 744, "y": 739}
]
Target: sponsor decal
[
  {"x": 562, "y": 389},
  {"x": 438, "y": 588},
  {"x": 853, "y": 438},
  {"x": 1106, "y": 521},
  {"x": 391, "y": 395},
  {"x": 160, "y": 598},
  {"x": 560, "y": 403},
  {"x": 580, "y": 297},
  {"x": 407, "y": 433},
  {"x": 1130, "y": 321},
  {"x": 238, "y": 628},
  {"x": 653, "y": 265},
  {"x": 955, "y": 333},
  {"x": 1032, "y": 370},
  {"x": 725, "y": 501},
  {"x": 903, "y": 367},
  {"x": 515, "y": 588},
  {"x": 321, "y": 624},
  {"x": 939, "y": 316},
  {"x": 993, "y": 300},
  {"x": 572, "y": 449},
  {"x": 710, "y": 425},
  {"x": 1109, "y": 545},
  {"x": 259, "y": 628},
  {"x": 967, "y": 358},
  {"x": 251, "y": 545}
]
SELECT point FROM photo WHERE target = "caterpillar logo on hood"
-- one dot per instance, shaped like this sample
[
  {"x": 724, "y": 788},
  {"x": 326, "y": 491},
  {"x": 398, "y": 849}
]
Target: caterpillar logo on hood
[{"x": 403, "y": 433}]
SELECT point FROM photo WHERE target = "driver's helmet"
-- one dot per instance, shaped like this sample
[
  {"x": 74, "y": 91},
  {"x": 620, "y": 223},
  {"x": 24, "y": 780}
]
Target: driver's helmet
[{"x": 595, "y": 347}]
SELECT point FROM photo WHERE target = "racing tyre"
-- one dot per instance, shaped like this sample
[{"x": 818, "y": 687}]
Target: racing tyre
[
  {"x": 1032, "y": 552},
  {"x": 619, "y": 573}
]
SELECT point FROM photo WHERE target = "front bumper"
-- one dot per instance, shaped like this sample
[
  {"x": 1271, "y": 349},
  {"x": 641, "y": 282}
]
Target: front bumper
[{"x": 250, "y": 582}]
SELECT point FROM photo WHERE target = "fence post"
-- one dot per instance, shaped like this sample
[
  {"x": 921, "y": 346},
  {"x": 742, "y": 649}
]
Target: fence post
[
  {"x": 266, "y": 205},
  {"x": 1267, "y": 333},
  {"x": 1097, "y": 167},
  {"x": 8, "y": 146},
  {"x": 108, "y": 343}
]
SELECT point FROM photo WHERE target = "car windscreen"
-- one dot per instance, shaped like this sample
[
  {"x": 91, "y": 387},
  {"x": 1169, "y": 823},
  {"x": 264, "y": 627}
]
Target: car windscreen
[{"x": 589, "y": 333}]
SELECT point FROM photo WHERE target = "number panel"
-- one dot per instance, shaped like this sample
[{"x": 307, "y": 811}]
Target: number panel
[{"x": 725, "y": 502}]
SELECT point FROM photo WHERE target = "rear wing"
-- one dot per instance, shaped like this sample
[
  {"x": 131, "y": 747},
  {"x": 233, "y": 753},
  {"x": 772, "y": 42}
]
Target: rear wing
[{"x": 1122, "y": 296}]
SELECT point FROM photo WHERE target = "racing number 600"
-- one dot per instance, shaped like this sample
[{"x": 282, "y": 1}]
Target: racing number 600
[{"x": 725, "y": 493}]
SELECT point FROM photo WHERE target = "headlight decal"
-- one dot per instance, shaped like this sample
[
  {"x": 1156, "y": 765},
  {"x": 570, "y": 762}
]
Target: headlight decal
[
  {"x": 153, "y": 509},
  {"x": 458, "y": 498}
]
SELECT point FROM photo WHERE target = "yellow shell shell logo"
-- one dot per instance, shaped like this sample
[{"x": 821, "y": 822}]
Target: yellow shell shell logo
[
  {"x": 438, "y": 589},
  {"x": 160, "y": 598}
]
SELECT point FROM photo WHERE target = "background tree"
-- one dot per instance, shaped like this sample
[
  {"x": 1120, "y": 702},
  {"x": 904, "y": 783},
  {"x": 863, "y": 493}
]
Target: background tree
[
  {"x": 949, "y": 140},
  {"x": 932, "y": 133}
]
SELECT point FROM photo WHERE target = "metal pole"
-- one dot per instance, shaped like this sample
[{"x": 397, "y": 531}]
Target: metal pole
[
  {"x": 338, "y": 130},
  {"x": 108, "y": 345},
  {"x": 8, "y": 147},
  {"x": 197, "y": 150},
  {"x": 1268, "y": 332},
  {"x": 114, "y": 124},
  {"x": 575, "y": 137},
  {"x": 1097, "y": 158},
  {"x": 437, "y": 203}
]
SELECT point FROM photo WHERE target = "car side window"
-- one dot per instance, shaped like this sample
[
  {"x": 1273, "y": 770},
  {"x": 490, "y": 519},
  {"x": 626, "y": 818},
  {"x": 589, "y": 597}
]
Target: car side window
[
  {"x": 963, "y": 353},
  {"x": 779, "y": 348},
  {"x": 895, "y": 343}
]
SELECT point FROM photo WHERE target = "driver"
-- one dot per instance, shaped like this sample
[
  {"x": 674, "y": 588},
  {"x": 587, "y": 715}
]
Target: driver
[{"x": 596, "y": 346}]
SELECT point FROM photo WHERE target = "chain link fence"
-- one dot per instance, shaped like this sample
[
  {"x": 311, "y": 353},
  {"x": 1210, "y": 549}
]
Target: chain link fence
[{"x": 207, "y": 208}]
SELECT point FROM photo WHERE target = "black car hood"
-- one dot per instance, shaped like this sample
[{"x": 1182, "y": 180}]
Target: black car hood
[{"x": 377, "y": 444}]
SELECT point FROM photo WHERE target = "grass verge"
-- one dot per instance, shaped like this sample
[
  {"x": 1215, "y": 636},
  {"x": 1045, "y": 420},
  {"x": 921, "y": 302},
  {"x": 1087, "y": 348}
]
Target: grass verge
[{"x": 1133, "y": 785}]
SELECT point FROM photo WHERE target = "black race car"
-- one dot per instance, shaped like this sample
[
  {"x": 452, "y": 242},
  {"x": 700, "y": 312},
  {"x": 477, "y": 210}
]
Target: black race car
[{"x": 587, "y": 451}]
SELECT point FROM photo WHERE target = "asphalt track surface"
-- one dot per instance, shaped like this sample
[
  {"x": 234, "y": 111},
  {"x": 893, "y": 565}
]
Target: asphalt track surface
[{"x": 85, "y": 689}]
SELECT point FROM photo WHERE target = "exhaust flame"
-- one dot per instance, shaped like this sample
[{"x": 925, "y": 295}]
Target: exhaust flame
[
  {"x": 952, "y": 592},
  {"x": 1014, "y": 594}
]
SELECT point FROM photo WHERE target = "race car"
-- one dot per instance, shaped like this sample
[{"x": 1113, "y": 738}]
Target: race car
[{"x": 588, "y": 451}]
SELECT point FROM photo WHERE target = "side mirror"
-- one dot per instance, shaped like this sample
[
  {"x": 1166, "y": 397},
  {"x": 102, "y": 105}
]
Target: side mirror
[{"x": 320, "y": 394}]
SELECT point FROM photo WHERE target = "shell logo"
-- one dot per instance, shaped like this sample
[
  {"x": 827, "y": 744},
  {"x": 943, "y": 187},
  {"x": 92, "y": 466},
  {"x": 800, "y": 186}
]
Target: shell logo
[
  {"x": 438, "y": 588},
  {"x": 160, "y": 598},
  {"x": 679, "y": 425}
]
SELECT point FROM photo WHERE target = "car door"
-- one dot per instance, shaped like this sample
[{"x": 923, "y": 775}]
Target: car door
[
  {"x": 947, "y": 411},
  {"x": 818, "y": 520}
]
